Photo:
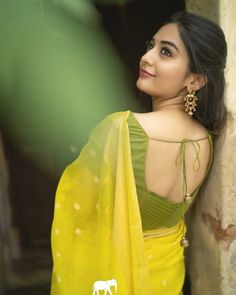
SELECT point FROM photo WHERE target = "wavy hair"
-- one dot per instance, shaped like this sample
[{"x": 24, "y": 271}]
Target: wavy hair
[{"x": 207, "y": 50}]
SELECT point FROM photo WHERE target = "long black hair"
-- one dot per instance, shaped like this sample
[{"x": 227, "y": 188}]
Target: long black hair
[{"x": 207, "y": 50}]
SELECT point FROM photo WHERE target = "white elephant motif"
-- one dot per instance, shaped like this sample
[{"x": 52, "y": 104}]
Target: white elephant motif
[{"x": 104, "y": 286}]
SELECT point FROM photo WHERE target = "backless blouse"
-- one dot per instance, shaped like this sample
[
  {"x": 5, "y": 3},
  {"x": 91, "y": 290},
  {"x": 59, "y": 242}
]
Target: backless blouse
[{"x": 157, "y": 210}]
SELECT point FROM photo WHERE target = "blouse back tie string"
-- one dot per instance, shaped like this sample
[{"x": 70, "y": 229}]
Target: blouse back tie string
[{"x": 181, "y": 158}]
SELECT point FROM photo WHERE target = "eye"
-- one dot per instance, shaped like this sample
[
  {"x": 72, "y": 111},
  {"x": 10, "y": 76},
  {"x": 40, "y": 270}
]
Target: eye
[
  {"x": 166, "y": 51},
  {"x": 149, "y": 45}
]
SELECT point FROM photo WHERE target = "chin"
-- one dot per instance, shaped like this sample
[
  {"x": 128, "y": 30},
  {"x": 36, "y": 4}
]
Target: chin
[{"x": 140, "y": 85}]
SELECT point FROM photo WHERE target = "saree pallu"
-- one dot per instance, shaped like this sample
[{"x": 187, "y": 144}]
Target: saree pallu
[{"x": 97, "y": 231}]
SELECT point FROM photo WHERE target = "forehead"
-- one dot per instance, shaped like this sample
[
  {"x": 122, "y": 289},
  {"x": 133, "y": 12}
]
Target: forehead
[{"x": 170, "y": 33}]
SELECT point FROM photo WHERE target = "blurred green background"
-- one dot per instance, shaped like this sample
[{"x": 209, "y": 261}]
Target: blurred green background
[{"x": 59, "y": 76}]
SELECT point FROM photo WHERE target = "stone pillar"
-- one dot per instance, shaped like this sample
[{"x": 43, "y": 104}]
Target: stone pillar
[{"x": 212, "y": 220}]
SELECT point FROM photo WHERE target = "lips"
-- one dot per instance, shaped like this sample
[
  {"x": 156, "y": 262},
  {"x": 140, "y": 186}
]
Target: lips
[{"x": 144, "y": 73}]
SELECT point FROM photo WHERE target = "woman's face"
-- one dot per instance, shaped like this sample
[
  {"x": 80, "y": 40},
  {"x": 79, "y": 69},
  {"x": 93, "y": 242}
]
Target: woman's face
[{"x": 164, "y": 67}]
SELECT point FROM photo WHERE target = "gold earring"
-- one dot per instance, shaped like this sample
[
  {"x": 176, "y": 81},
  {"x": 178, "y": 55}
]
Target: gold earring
[{"x": 190, "y": 104}]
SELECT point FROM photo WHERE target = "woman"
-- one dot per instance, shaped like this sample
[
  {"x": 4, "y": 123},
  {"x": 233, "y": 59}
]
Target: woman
[{"x": 119, "y": 211}]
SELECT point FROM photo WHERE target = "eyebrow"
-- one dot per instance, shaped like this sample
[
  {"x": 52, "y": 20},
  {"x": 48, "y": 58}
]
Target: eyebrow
[{"x": 169, "y": 43}]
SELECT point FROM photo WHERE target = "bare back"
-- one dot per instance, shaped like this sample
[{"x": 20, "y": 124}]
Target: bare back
[{"x": 162, "y": 175}]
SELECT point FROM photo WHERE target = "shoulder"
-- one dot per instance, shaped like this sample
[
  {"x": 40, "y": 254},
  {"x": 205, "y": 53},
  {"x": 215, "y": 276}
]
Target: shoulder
[
  {"x": 115, "y": 116},
  {"x": 170, "y": 125},
  {"x": 110, "y": 121},
  {"x": 118, "y": 115},
  {"x": 115, "y": 119}
]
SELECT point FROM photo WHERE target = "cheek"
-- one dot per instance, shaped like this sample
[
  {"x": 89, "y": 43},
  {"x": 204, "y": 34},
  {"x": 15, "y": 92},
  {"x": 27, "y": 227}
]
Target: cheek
[
  {"x": 172, "y": 70},
  {"x": 170, "y": 79}
]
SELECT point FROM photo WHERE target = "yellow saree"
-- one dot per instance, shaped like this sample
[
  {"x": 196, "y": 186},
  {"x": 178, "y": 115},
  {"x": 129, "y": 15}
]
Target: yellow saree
[{"x": 97, "y": 231}]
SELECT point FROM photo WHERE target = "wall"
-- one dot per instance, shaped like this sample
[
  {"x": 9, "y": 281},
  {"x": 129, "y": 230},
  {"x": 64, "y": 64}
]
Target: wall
[{"x": 212, "y": 220}]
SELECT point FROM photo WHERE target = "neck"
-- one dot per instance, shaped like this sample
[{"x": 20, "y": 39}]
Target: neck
[{"x": 172, "y": 103}]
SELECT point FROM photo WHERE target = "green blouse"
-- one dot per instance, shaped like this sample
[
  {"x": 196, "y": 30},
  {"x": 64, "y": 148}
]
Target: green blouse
[{"x": 157, "y": 210}]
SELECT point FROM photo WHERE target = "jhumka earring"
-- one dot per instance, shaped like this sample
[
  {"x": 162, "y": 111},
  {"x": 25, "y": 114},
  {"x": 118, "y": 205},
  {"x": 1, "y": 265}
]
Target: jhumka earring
[{"x": 190, "y": 103}]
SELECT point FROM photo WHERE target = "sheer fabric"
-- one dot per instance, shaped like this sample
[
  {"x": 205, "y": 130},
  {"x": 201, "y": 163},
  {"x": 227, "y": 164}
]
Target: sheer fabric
[{"x": 97, "y": 232}]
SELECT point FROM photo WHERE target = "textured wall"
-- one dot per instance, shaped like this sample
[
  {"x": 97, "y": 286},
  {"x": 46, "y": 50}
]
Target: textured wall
[
  {"x": 207, "y": 8},
  {"x": 228, "y": 254},
  {"x": 212, "y": 220}
]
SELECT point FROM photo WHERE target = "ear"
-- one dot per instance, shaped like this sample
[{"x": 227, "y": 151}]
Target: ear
[{"x": 196, "y": 82}]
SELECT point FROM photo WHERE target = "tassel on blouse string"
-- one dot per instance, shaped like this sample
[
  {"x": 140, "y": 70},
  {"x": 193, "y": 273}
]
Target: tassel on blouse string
[{"x": 187, "y": 197}]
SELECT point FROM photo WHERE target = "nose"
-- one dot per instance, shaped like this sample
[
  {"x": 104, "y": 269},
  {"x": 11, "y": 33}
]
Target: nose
[{"x": 147, "y": 58}]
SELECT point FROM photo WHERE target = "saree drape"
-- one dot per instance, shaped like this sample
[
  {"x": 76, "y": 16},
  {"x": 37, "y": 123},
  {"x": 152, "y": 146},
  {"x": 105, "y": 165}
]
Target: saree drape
[{"x": 97, "y": 231}]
